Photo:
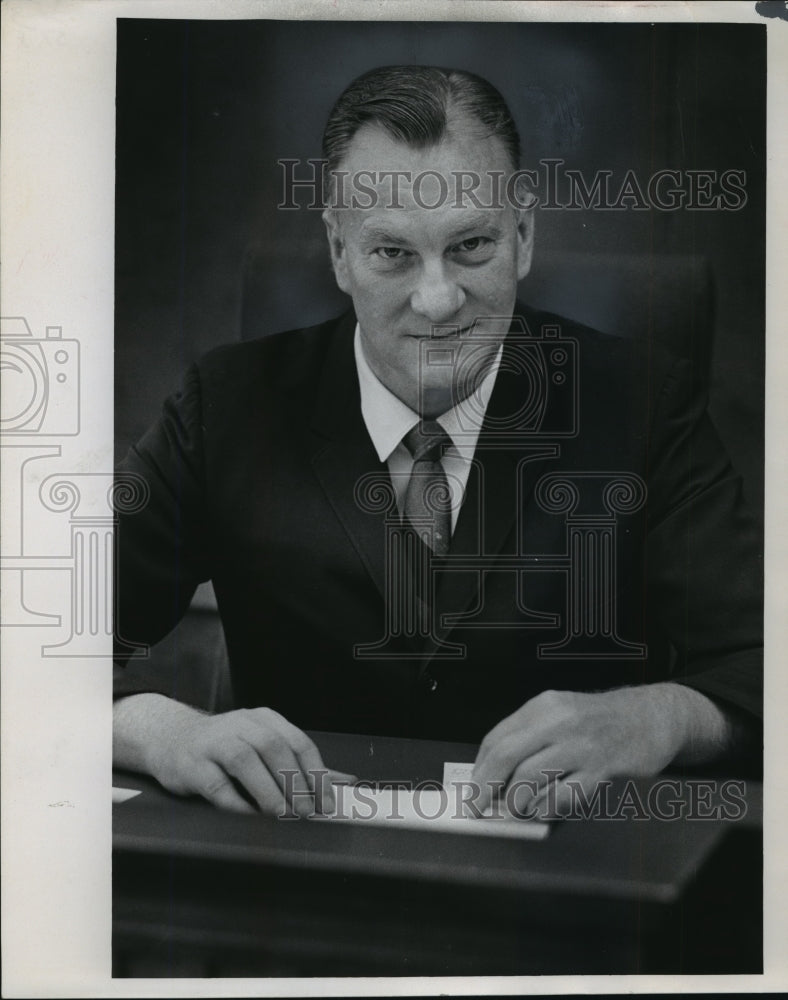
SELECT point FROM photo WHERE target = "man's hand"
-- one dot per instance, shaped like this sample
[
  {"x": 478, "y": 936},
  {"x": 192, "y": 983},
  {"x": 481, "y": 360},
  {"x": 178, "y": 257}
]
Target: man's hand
[
  {"x": 217, "y": 756},
  {"x": 632, "y": 732}
]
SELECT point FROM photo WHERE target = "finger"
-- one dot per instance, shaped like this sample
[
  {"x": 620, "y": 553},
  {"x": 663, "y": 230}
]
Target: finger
[
  {"x": 277, "y": 732},
  {"x": 276, "y": 756},
  {"x": 569, "y": 796},
  {"x": 495, "y": 770},
  {"x": 289, "y": 775},
  {"x": 245, "y": 765},
  {"x": 530, "y": 779},
  {"x": 341, "y": 777},
  {"x": 542, "y": 768},
  {"x": 517, "y": 723},
  {"x": 216, "y": 786},
  {"x": 499, "y": 732},
  {"x": 310, "y": 763}
]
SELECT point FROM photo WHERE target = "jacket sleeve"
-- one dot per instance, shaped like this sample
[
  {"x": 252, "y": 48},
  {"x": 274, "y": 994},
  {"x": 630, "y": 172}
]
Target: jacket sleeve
[
  {"x": 704, "y": 551},
  {"x": 162, "y": 550}
]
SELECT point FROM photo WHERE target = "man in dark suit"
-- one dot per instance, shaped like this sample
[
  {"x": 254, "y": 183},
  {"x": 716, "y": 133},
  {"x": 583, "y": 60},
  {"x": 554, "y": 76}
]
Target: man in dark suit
[{"x": 442, "y": 515}]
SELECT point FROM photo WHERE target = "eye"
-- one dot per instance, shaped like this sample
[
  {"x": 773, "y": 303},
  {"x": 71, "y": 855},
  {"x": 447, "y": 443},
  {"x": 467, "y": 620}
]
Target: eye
[
  {"x": 390, "y": 253},
  {"x": 473, "y": 243}
]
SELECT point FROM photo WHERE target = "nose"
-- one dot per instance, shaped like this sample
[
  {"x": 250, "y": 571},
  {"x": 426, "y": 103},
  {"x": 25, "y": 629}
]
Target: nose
[{"x": 437, "y": 296}]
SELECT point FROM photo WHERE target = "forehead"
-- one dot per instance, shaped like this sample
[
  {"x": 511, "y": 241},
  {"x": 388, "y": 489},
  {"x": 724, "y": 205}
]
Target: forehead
[
  {"x": 382, "y": 178},
  {"x": 464, "y": 147}
]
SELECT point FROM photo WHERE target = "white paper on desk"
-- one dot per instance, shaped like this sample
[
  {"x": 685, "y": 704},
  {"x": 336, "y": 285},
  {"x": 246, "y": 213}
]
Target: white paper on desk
[
  {"x": 123, "y": 794},
  {"x": 454, "y": 772},
  {"x": 427, "y": 808}
]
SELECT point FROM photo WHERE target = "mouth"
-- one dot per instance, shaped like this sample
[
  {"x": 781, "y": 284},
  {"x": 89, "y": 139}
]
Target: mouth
[{"x": 452, "y": 333}]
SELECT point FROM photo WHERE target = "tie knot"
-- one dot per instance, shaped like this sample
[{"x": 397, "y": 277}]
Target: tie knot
[{"x": 426, "y": 441}]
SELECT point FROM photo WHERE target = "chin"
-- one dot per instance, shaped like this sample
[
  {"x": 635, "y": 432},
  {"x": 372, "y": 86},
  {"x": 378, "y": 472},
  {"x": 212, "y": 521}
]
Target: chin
[{"x": 436, "y": 399}]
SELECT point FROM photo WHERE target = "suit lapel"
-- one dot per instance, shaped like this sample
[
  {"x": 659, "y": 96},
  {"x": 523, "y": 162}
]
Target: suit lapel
[{"x": 343, "y": 452}]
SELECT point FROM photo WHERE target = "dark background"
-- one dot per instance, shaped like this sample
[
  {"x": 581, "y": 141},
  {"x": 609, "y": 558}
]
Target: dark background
[{"x": 205, "y": 109}]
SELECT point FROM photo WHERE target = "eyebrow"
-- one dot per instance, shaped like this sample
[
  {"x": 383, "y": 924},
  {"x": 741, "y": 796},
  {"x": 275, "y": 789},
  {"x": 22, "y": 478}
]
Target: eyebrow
[
  {"x": 378, "y": 233},
  {"x": 375, "y": 234}
]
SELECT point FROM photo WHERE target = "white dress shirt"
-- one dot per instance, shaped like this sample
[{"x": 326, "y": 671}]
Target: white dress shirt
[{"x": 388, "y": 420}]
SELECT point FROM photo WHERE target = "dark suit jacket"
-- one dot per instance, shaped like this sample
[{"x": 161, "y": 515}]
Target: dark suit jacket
[{"x": 252, "y": 470}]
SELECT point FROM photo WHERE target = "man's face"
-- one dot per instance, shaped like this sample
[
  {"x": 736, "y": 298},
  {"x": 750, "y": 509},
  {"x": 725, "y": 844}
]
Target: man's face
[{"x": 410, "y": 267}]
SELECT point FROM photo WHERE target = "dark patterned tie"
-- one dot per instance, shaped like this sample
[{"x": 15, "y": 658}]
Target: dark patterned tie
[{"x": 428, "y": 499}]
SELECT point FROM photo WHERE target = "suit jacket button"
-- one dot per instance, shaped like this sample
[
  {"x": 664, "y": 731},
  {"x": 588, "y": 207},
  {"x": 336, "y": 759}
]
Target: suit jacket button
[{"x": 429, "y": 682}]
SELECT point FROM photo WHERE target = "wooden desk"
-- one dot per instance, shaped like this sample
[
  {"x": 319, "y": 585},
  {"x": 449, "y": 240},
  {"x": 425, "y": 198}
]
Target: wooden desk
[{"x": 198, "y": 892}]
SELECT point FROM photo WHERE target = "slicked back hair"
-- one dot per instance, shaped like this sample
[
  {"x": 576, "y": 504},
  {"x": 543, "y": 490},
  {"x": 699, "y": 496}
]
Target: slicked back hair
[{"x": 413, "y": 104}]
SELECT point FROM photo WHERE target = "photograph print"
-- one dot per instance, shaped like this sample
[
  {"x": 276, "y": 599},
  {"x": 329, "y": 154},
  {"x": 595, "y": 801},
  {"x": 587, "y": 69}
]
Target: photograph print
[{"x": 439, "y": 362}]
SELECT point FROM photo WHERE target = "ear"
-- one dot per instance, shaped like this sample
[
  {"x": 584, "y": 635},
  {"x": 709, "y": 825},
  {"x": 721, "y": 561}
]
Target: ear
[
  {"x": 336, "y": 246},
  {"x": 525, "y": 240}
]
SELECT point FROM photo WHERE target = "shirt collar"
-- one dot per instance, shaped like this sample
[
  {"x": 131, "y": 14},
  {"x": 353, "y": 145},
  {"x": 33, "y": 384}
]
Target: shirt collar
[{"x": 388, "y": 419}]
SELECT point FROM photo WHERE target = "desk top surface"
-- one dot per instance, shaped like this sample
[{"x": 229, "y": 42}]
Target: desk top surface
[{"x": 650, "y": 859}]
